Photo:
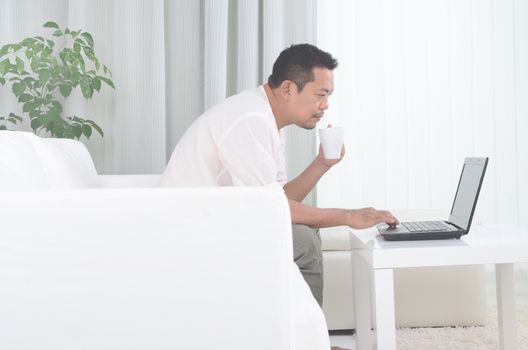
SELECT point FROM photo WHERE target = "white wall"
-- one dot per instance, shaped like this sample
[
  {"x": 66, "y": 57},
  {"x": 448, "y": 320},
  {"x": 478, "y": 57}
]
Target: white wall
[{"x": 422, "y": 84}]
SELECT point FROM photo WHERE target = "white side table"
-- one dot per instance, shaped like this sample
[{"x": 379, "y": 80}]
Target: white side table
[{"x": 374, "y": 259}]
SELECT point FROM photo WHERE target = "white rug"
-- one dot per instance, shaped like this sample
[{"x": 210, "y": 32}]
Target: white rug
[{"x": 462, "y": 338}]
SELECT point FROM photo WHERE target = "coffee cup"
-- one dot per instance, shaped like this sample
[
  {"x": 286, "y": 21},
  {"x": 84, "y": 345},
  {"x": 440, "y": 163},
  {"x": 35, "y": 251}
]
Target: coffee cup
[{"x": 331, "y": 141}]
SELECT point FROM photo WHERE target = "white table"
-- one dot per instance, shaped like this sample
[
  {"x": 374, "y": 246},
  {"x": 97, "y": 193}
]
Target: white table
[{"x": 374, "y": 259}]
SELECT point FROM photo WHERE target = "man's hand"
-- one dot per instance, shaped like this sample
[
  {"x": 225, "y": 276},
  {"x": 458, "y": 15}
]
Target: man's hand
[
  {"x": 368, "y": 217},
  {"x": 328, "y": 163},
  {"x": 328, "y": 217}
]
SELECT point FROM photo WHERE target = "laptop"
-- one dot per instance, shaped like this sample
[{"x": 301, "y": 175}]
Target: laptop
[{"x": 461, "y": 212}]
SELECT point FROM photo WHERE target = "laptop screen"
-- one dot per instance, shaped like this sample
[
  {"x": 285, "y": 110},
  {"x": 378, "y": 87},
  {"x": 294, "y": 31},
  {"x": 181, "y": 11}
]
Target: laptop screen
[{"x": 467, "y": 192}]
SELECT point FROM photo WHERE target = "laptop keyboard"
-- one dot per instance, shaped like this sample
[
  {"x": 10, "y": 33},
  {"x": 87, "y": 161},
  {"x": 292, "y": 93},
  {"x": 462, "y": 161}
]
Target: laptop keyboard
[{"x": 426, "y": 226}]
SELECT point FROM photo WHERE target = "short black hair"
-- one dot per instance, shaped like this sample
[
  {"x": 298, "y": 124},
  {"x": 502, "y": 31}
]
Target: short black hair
[{"x": 296, "y": 63}]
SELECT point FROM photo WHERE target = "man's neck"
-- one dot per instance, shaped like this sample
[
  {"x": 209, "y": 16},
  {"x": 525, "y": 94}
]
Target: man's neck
[{"x": 276, "y": 107}]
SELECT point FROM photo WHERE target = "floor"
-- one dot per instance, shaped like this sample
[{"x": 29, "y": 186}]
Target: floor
[{"x": 347, "y": 340}]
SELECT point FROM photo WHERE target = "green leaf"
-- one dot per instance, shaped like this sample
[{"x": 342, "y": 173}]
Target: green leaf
[
  {"x": 89, "y": 53},
  {"x": 28, "y": 42},
  {"x": 34, "y": 113},
  {"x": 107, "y": 81},
  {"x": 89, "y": 39},
  {"x": 4, "y": 49},
  {"x": 77, "y": 119},
  {"x": 35, "y": 123},
  {"x": 87, "y": 130},
  {"x": 18, "y": 88},
  {"x": 29, "y": 81},
  {"x": 19, "y": 64},
  {"x": 86, "y": 89},
  {"x": 65, "y": 90},
  {"x": 4, "y": 66},
  {"x": 3, "y": 127},
  {"x": 45, "y": 53},
  {"x": 96, "y": 83},
  {"x": 2, "y": 81},
  {"x": 54, "y": 115},
  {"x": 57, "y": 33},
  {"x": 43, "y": 75},
  {"x": 57, "y": 130},
  {"x": 80, "y": 41},
  {"x": 81, "y": 64},
  {"x": 29, "y": 107},
  {"x": 76, "y": 131},
  {"x": 51, "y": 24},
  {"x": 63, "y": 56},
  {"x": 24, "y": 98},
  {"x": 56, "y": 107},
  {"x": 14, "y": 116},
  {"x": 96, "y": 127},
  {"x": 47, "y": 125},
  {"x": 33, "y": 63}
]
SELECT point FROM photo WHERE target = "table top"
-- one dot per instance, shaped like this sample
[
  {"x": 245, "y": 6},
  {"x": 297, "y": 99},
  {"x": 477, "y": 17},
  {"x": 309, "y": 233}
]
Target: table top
[{"x": 484, "y": 244}]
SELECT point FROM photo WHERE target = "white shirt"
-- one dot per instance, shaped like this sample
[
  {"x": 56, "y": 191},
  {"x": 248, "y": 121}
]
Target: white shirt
[{"x": 235, "y": 143}]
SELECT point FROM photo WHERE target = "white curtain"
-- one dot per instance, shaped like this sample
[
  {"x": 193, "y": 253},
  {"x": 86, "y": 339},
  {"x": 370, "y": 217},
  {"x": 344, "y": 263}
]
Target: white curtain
[
  {"x": 421, "y": 85},
  {"x": 170, "y": 61}
]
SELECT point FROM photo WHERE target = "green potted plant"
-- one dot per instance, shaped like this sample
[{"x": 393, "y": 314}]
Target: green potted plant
[{"x": 39, "y": 73}]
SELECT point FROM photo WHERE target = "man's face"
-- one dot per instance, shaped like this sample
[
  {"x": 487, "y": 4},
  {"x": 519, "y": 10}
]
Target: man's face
[{"x": 308, "y": 106}]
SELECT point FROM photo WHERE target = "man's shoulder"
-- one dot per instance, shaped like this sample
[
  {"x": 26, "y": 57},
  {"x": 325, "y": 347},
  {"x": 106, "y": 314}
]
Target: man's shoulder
[
  {"x": 247, "y": 107},
  {"x": 250, "y": 99}
]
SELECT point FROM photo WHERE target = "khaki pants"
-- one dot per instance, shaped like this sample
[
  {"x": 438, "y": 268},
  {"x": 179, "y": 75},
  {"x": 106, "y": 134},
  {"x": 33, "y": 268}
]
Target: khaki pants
[{"x": 308, "y": 256}]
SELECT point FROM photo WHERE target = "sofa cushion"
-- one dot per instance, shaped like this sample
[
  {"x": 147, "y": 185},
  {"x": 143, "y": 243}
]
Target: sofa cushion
[
  {"x": 335, "y": 238},
  {"x": 20, "y": 169},
  {"x": 66, "y": 163}
]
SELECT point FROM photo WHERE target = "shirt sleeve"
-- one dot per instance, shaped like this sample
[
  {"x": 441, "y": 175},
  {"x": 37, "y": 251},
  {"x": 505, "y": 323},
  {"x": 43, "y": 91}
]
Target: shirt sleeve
[{"x": 250, "y": 152}]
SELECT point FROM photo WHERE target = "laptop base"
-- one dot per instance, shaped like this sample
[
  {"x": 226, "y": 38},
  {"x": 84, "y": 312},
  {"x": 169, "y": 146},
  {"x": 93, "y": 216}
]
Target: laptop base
[
  {"x": 418, "y": 236},
  {"x": 420, "y": 230}
]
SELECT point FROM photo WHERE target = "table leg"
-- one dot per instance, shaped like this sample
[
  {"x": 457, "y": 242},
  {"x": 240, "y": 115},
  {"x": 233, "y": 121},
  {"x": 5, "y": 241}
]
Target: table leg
[
  {"x": 506, "y": 307},
  {"x": 362, "y": 281},
  {"x": 383, "y": 294}
]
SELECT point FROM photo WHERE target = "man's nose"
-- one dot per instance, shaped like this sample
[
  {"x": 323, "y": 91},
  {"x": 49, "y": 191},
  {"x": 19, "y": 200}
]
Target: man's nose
[{"x": 324, "y": 104}]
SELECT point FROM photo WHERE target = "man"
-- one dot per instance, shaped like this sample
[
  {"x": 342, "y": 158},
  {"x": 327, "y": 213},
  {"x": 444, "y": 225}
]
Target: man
[{"x": 239, "y": 142}]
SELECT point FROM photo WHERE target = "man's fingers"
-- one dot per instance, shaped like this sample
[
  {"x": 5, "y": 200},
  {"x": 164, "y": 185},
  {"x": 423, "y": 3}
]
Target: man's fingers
[{"x": 388, "y": 218}]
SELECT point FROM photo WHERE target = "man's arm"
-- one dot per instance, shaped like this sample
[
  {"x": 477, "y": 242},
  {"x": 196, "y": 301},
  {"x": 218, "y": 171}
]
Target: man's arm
[
  {"x": 355, "y": 218},
  {"x": 298, "y": 188}
]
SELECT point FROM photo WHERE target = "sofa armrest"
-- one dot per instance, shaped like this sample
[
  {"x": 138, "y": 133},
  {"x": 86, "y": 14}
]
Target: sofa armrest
[
  {"x": 122, "y": 181},
  {"x": 146, "y": 269}
]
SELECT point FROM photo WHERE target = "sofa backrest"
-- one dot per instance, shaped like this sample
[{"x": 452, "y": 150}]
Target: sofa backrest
[
  {"x": 20, "y": 168},
  {"x": 29, "y": 162},
  {"x": 157, "y": 268}
]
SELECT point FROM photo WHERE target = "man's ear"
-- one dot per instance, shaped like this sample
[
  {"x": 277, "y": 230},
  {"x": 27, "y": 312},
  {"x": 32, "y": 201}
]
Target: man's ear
[{"x": 286, "y": 89}]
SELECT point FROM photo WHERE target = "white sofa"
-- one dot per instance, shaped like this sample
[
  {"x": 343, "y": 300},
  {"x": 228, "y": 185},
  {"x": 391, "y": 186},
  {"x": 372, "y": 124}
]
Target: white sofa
[
  {"x": 87, "y": 265},
  {"x": 424, "y": 297}
]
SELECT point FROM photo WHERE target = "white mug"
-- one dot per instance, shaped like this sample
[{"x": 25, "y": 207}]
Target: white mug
[{"x": 331, "y": 141}]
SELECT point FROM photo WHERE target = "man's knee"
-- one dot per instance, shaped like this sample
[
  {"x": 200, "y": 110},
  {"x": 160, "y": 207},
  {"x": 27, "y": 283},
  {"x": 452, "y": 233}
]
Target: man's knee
[
  {"x": 306, "y": 242},
  {"x": 308, "y": 256}
]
